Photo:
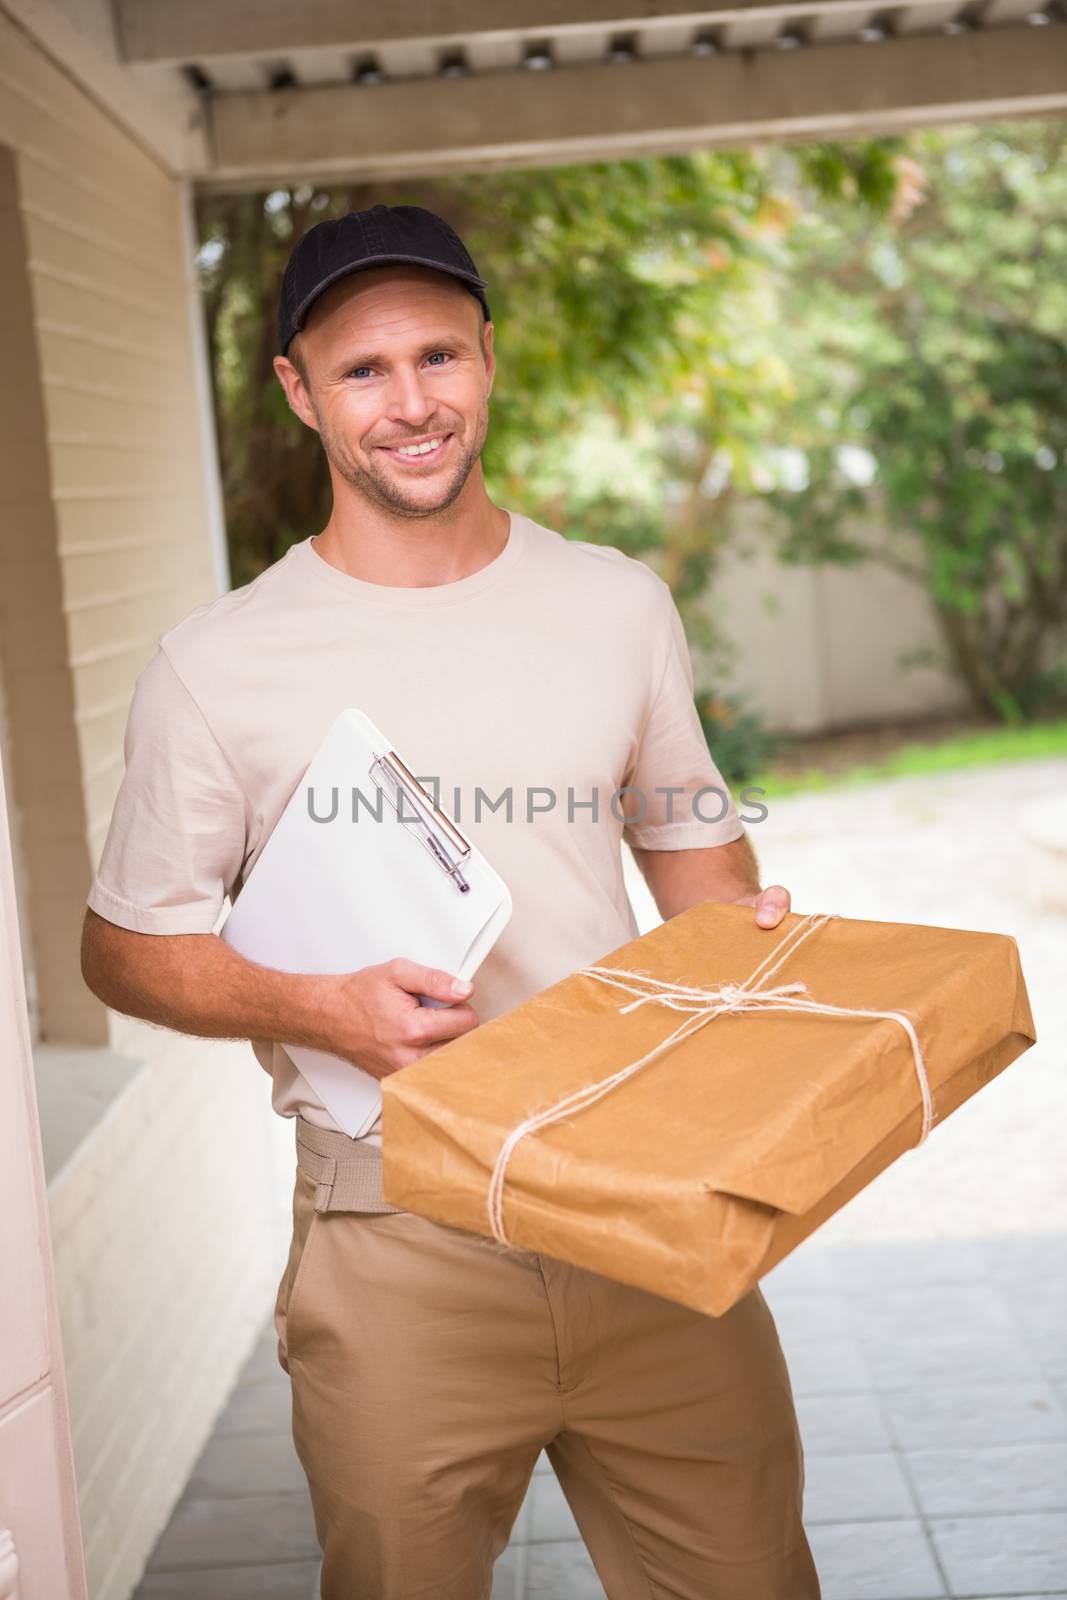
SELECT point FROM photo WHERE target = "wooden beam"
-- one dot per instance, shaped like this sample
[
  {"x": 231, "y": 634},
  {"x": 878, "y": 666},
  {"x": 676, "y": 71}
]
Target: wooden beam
[
  {"x": 167, "y": 125},
  {"x": 593, "y": 112},
  {"x": 198, "y": 30}
]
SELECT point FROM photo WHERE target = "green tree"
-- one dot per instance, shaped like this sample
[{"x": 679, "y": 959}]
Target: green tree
[{"x": 930, "y": 400}]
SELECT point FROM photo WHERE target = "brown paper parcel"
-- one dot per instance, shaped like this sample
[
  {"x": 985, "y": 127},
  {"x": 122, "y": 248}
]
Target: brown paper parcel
[{"x": 702, "y": 1170}]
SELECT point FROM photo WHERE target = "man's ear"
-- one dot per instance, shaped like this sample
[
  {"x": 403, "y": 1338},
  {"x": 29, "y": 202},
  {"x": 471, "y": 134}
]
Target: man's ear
[{"x": 295, "y": 391}]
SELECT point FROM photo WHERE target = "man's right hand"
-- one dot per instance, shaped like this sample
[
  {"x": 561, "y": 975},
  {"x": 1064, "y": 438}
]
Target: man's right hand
[
  {"x": 195, "y": 983},
  {"x": 379, "y": 1024}
]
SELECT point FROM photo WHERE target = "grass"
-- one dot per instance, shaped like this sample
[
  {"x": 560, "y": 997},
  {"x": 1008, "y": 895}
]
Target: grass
[{"x": 980, "y": 748}]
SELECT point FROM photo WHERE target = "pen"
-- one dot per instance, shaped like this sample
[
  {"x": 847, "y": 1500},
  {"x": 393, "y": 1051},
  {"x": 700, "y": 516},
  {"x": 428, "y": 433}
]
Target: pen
[{"x": 403, "y": 782}]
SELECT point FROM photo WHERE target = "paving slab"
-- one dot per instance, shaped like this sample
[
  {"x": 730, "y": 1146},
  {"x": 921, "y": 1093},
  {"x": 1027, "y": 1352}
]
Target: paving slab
[
  {"x": 1010, "y": 1554},
  {"x": 279, "y": 1581},
  {"x": 809, "y": 1267},
  {"x": 551, "y": 1518},
  {"x": 509, "y": 1574},
  {"x": 987, "y": 1414},
  {"x": 1028, "y": 1258},
  {"x": 561, "y": 1571},
  {"x": 931, "y": 1310},
  {"x": 247, "y": 1463},
  {"x": 813, "y": 1315},
  {"x": 842, "y": 1424},
  {"x": 263, "y": 1364},
  {"x": 824, "y": 1367},
  {"x": 958, "y": 1356},
  {"x": 990, "y": 1480},
  {"x": 247, "y": 1529},
  {"x": 856, "y": 1488},
  {"x": 876, "y": 1561},
  {"x": 1049, "y": 1347},
  {"x": 264, "y": 1407}
]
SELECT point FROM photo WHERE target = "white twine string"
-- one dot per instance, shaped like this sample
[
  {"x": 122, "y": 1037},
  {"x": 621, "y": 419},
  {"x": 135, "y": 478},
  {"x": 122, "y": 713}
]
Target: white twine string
[{"x": 702, "y": 1006}]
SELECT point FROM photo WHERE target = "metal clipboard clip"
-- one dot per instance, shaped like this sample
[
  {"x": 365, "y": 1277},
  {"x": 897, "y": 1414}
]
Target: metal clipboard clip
[{"x": 417, "y": 811}]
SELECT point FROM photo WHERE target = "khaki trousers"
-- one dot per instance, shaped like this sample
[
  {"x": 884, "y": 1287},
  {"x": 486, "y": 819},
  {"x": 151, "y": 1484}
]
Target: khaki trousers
[{"x": 430, "y": 1366}]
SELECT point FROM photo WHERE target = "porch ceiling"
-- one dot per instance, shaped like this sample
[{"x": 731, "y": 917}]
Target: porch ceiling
[
  {"x": 237, "y": 93},
  {"x": 334, "y": 88}
]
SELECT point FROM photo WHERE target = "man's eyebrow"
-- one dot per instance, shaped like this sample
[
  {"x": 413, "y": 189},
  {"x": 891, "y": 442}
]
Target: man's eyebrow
[{"x": 451, "y": 341}]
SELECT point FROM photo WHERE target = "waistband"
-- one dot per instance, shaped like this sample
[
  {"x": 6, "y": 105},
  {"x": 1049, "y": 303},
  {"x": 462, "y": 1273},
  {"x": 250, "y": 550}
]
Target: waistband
[{"x": 347, "y": 1171}]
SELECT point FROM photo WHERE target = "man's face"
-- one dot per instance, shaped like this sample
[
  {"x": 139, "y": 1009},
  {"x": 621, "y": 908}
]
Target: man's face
[{"x": 393, "y": 358}]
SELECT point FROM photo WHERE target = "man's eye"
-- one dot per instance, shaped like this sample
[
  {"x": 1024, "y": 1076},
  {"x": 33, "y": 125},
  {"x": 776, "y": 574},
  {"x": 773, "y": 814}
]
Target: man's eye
[
  {"x": 438, "y": 355},
  {"x": 357, "y": 370}
]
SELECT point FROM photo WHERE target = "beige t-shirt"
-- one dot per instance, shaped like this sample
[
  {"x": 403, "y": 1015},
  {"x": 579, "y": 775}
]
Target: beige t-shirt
[{"x": 559, "y": 671}]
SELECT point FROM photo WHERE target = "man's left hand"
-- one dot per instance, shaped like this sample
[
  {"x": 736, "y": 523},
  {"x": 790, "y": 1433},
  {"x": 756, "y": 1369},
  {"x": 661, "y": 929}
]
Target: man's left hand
[{"x": 771, "y": 905}]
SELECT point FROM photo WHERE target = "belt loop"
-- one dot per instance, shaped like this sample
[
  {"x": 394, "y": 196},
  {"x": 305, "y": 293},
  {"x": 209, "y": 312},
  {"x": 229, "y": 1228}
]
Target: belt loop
[
  {"x": 326, "y": 1183},
  {"x": 347, "y": 1176}
]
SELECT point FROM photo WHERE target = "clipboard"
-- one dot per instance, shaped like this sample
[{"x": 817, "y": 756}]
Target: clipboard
[{"x": 363, "y": 866}]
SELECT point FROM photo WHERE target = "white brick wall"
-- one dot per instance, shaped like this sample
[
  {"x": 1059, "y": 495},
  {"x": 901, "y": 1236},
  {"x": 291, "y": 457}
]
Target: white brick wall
[
  {"x": 169, "y": 1235},
  {"x": 104, "y": 234}
]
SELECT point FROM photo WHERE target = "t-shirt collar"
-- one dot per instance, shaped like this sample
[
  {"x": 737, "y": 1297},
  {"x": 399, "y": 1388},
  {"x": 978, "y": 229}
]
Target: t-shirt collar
[{"x": 428, "y": 597}]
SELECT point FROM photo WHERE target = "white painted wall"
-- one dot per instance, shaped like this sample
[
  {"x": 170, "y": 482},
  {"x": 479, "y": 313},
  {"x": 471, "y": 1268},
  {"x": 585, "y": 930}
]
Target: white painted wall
[
  {"x": 40, "y": 1542},
  {"x": 817, "y": 648},
  {"x": 164, "y": 1196}
]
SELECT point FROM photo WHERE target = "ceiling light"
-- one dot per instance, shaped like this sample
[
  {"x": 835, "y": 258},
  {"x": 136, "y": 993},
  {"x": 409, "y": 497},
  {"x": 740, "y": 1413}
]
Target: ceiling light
[
  {"x": 369, "y": 72},
  {"x": 622, "y": 50},
  {"x": 454, "y": 66},
  {"x": 874, "y": 33},
  {"x": 538, "y": 58},
  {"x": 703, "y": 45}
]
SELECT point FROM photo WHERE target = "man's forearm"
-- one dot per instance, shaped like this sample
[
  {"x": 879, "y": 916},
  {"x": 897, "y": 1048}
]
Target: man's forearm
[
  {"x": 679, "y": 879},
  {"x": 195, "y": 983}
]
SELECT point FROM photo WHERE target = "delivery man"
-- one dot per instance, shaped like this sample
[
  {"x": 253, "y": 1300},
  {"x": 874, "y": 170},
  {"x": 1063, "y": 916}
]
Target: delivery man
[{"x": 429, "y": 1366}]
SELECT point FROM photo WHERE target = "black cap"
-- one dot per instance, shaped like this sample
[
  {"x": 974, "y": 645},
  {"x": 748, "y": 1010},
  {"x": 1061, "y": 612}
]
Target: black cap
[{"x": 381, "y": 237}]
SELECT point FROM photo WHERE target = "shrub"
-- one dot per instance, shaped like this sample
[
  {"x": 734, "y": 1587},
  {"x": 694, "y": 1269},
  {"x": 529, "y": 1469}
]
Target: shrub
[{"x": 739, "y": 743}]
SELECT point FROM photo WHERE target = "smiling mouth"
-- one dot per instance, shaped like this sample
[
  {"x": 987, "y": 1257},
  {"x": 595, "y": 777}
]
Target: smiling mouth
[{"x": 418, "y": 452}]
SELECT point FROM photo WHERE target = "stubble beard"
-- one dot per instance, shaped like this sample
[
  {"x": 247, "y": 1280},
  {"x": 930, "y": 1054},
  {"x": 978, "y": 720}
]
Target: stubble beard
[{"x": 386, "y": 493}]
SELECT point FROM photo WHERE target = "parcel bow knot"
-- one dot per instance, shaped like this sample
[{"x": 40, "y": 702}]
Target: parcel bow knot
[{"x": 684, "y": 997}]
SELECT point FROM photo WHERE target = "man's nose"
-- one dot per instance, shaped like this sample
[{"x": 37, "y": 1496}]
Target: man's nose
[{"x": 408, "y": 401}]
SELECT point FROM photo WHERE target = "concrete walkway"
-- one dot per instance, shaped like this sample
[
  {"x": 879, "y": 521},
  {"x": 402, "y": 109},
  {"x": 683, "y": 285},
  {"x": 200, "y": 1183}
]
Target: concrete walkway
[{"x": 925, "y": 1326}]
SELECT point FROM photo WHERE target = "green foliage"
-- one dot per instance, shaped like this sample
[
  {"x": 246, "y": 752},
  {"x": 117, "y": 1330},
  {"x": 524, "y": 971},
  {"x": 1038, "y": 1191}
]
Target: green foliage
[
  {"x": 275, "y": 485},
  {"x": 607, "y": 278},
  {"x": 866, "y": 172},
  {"x": 931, "y": 354},
  {"x": 740, "y": 744}
]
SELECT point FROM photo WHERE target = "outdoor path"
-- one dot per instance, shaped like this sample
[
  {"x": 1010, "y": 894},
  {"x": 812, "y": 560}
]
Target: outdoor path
[{"x": 925, "y": 1326}]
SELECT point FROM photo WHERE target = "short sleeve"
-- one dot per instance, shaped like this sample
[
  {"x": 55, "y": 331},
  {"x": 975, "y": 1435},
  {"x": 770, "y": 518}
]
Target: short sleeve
[
  {"x": 681, "y": 800},
  {"x": 177, "y": 836}
]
